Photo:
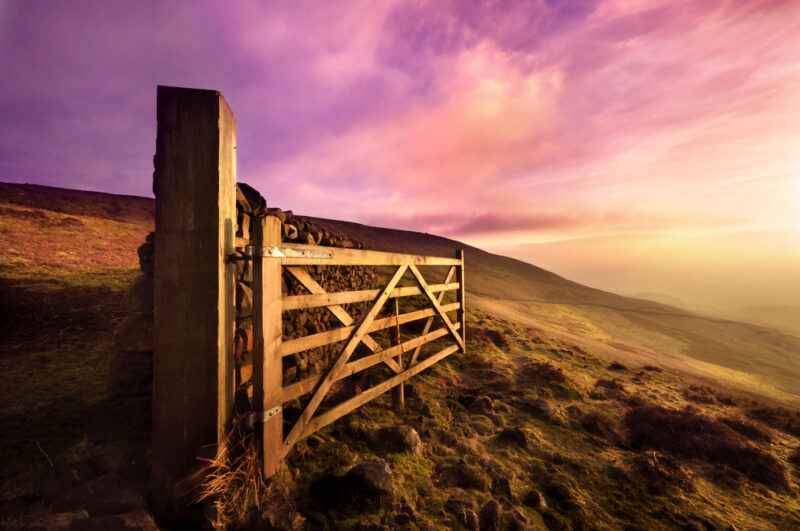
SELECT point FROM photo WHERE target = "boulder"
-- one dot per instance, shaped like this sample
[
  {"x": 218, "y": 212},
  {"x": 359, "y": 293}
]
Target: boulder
[
  {"x": 538, "y": 407},
  {"x": 244, "y": 300},
  {"x": 482, "y": 405},
  {"x": 457, "y": 505},
  {"x": 371, "y": 480},
  {"x": 462, "y": 475},
  {"x": 501, "y": 485},
  {"x": 252, "y": 199},
  {"x": 61, "y": 478},
  {"x": 134, "y": 334},
  {"x": 535, "y": 500},
  {"x": 108, "y": 494},
  {"x": 130, "y": 374},
  {"x": 125, "y": 459},
  {"x": 241, "y": 202},
  {"x": 58, "y": 521},
  {"x": 514, "y": 436},
  {"x": 138, "y": 520},
  {"x": 290, "y": 232},
  {"x": 400, "y": 439},
  {"x": 469, "y": 519},
  {"x": 139, "y": 296},
  {"x": 147, "y": 255},
  {"x": 244, "y": 271},
  {"x": 364, "y": 486},
  {"x": 513, "y": 519},
  {"x": 278, "y": 213},
  {"x": 489, "y": 517},
  {"x": 119, "y": 418},
  {"x": 308, "y": 237}
]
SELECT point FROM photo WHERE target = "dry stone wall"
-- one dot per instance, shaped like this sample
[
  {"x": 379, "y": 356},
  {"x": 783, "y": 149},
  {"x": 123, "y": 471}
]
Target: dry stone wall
[
  {"x": 296, "y": 323},
  {"x": 126, "y": 413}
]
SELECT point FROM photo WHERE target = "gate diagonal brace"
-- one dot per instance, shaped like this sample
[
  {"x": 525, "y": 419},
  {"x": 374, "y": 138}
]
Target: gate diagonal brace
[
  {"x": 324, "y": 386},
  {"x": 436, "y": 306},
  {"x": 312, "y": 286}
]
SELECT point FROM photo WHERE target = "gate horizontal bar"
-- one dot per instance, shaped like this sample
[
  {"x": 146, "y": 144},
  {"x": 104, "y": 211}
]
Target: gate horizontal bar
[
  {"x": 342, "y": 333},
  {"x": 302, "y": 302},
  {"x": 343, "y": 256},
  {"x": 298, "y": 389}
]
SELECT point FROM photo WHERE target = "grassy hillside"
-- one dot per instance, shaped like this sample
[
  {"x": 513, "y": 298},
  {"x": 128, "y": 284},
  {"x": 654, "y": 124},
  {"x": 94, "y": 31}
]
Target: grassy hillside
[
  {"x": 746, "y": 357},
  {"x": 66, "y": 257},
  {"x": 562, "y": 440},
  {"x": 571, "y": 410}
]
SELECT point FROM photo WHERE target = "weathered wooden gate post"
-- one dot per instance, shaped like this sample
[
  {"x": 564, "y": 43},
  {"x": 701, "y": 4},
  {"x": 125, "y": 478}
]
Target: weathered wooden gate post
[
  {"x": 194, "y": 185},
  {"x": 267, "y": 337}
]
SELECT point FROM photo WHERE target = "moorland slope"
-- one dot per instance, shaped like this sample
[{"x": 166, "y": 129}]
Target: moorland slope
[
  {"x": 536, "y": 428},
  {"x": 744, "y": 356}
]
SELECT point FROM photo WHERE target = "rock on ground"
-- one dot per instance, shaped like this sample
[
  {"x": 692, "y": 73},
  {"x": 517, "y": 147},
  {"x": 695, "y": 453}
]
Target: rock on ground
[
  {"x": 138, "y": 520},
  {"x": 400, "y": 439},
  {"x": 489, "y": 516},
  {"x": 104, "y": 495}
]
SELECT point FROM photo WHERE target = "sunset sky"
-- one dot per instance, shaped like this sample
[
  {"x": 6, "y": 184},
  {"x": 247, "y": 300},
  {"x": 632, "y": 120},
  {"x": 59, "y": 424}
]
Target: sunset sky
[{"x": 631, "y": 145}]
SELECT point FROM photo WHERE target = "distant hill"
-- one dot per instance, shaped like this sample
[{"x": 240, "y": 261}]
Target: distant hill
[
  {"x": 778, "y": 316},
  {"x": 781, "y": 317},
  {"x": 743, "y": 356}
]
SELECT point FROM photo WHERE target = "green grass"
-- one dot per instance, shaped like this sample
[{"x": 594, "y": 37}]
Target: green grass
[
  {"x": 56, "y": 343},
  {"x": 590, "y": 477}
]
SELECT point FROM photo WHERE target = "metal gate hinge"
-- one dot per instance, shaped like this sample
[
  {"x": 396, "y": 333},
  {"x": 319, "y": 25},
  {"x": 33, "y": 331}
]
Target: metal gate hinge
[
  {"x": 233, "y": 257},
  {"x": 260, "y": 417}
]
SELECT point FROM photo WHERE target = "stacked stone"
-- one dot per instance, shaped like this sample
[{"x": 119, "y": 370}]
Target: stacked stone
[
  {"x": 126, "y": 413},
  {"x": 250, "y": 205},
  {"x": 295, "y": 230},
  {"x": 299, "y": 323}
]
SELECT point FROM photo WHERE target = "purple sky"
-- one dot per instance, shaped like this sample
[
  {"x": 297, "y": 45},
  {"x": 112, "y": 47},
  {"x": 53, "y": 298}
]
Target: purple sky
[{"x": 612, "y": 142}]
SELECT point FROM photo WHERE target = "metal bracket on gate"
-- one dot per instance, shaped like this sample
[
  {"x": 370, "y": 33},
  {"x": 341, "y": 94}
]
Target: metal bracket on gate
[
  {"x": 286, "y": 252},
  {"x": 278, "y": 252},
  {"x": 260, "y": 417}
]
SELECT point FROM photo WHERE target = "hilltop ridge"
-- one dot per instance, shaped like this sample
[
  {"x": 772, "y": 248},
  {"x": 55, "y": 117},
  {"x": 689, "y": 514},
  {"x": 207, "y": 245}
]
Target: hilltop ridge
[{"x": 743, "y": 356}]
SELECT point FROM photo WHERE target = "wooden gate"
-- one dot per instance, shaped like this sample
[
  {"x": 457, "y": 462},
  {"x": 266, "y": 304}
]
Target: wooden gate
[{"x": 403, "y": 358}]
